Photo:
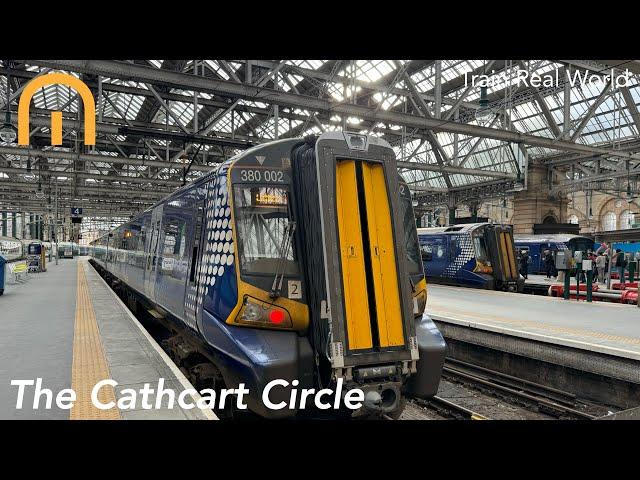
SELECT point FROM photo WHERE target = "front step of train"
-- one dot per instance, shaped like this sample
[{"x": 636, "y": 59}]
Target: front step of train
[{"x": 362, "y": 320}]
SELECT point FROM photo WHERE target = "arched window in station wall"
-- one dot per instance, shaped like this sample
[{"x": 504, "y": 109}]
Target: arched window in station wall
[
  {"x": 626, "y": 219},
  {"x": 609, "y": 221}
]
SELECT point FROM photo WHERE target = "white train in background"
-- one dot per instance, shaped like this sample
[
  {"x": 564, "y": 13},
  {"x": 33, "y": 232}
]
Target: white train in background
[{"x": 13, "y": 249}]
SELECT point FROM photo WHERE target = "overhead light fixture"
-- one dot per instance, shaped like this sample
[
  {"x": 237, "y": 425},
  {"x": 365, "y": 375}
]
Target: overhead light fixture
[
  {"x": 29, "y": 175},
  {"x": 39, "y": 192},
  {"x": 484, "y": 113},
  {"x": 8, "y": 133}
]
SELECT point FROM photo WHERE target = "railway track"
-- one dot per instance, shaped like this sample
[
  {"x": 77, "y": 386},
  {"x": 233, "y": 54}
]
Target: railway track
[
  {"x": 447, "y": 409},
  {"x": 546, "y": 399}
]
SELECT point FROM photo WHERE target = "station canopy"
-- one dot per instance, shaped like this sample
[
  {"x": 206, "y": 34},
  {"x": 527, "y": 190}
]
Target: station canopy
[{"x": 161, "y": 123}]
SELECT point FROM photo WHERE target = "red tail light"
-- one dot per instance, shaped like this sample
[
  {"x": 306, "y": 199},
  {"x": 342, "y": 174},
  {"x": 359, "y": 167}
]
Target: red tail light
[{"x": 276, "y": 316}]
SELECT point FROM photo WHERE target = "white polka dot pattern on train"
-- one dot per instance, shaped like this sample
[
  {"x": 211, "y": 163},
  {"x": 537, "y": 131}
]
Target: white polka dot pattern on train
[{"x": 218, "y": 238}]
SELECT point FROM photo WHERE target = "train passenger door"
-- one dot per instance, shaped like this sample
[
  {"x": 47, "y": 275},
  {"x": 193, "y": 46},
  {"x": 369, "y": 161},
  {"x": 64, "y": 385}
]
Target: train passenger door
[
  {"x": 192, "y": 313},
  {"x": 369, "y": 271},
  {"x": 151, "y": 264}
]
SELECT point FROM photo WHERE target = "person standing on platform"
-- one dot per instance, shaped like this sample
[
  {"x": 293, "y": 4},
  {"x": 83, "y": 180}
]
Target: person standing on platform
[
  {"x": 601, "y": 262},
  {"x": 548, "y": 263},
  {"x": 524, "y": 264},
  {"x": 620, "y": 263}
]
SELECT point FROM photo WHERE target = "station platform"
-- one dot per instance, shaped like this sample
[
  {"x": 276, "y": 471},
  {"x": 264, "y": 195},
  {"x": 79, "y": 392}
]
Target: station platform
[
  {"x": 540, "y": 283},
  {"x": 69, "y": 329},
  {"x": 599, "y": 338},
  {"x": 603, "y": 327}
]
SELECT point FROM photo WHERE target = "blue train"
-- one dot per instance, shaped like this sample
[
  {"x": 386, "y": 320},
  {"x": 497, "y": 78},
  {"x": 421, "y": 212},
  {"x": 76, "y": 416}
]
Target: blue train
[
  {"x": 627, "y": 247},
  {"x": 480, "y": 255},
  {"x": 288, "y": 261},
  {"x": 535, "y": 245}
]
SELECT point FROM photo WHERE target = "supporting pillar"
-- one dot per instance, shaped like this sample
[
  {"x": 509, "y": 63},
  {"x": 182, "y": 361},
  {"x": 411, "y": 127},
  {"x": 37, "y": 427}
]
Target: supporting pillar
[
  {"x": 4, "y": 224},
  {"x": 23, "y": 224},
  {"x": 533, "y": 205}
]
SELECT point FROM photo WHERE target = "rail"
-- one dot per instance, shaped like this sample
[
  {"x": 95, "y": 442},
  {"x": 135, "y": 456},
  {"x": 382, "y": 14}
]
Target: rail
[
  {"x": 448, "y": 409},
  {"x": 554, "y": 401}
]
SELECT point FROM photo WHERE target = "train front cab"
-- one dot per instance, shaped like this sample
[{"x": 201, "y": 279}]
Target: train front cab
[
  {"x": 366, "y": 296},
  {"x": 500, "y": 250},
  {"x": 321, "y": 273},
  {"x": 65, "y": 250},
  {"x": 255, "y": 315}
]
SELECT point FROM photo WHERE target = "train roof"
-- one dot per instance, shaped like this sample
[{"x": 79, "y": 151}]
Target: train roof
[
  {"x": 461, "y": 227},
  {"x": 10, "y": 239},
  {"x": 547, "y": 238},
  {"x": 30, "y": 240}
]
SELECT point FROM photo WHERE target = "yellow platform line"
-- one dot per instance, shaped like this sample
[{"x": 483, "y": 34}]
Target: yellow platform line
[{"x": 89, "y": 362}]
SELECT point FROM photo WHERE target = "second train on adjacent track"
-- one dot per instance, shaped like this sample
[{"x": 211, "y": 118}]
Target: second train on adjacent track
[{"x": 480, "y": 255}]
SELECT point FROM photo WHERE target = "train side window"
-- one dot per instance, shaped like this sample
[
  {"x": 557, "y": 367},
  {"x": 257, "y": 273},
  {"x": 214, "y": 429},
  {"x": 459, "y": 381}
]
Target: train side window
[
  {"x": 171, "y": 242},
  {"x": 453, "y": 249},
  {"x": 174, "y": 237},
  {"x": 196, "y": 243}
]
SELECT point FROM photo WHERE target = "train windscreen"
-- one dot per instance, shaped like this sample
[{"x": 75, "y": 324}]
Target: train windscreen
[
  {"x": 580, "y": 244},
  {"x": 480, "y": 246},
  {"x": 265, "y": 230},
  {"x": 414, "y": 262}
]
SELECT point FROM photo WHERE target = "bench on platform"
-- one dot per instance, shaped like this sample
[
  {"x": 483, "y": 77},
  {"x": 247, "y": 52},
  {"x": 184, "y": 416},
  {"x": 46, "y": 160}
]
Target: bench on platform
[{"x": 19, "y": 270}]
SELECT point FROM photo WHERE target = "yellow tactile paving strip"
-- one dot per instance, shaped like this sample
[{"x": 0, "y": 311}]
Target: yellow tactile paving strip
[
  {"x": 579, "y": 332},
  {"x": 89, "y": 363}
]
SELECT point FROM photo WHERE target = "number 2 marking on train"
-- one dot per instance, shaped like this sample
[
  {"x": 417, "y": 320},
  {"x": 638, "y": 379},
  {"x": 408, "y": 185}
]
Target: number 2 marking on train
[{"x": 295, "y": 290}]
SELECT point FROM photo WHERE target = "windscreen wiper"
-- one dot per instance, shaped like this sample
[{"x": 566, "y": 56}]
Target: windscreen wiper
[{"x": 287, "y": 242}]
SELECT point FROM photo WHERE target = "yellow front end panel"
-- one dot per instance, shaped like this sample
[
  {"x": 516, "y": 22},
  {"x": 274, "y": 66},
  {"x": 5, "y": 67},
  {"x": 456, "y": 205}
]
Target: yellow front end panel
[
  {"x": 383, "y": 259},
  {"x": 506, "y": 271},
  {"x": 351, "y": 253},
  {"x": 508, "y": 240},
  {"x": 507, "y": 255}
]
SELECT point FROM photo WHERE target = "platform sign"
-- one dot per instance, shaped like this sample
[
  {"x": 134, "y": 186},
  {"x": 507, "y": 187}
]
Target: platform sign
[{"x": 76, "y": 211}]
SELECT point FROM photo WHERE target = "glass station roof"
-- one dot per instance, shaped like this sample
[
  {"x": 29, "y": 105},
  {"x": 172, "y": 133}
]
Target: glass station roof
[{"x": 377, "y": 84}]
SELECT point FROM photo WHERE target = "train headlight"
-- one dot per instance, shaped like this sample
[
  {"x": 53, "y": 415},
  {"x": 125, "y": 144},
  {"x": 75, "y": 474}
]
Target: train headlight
[
  {"x": 258, "y": 313},
  {"x": 251, "y": 312}
]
